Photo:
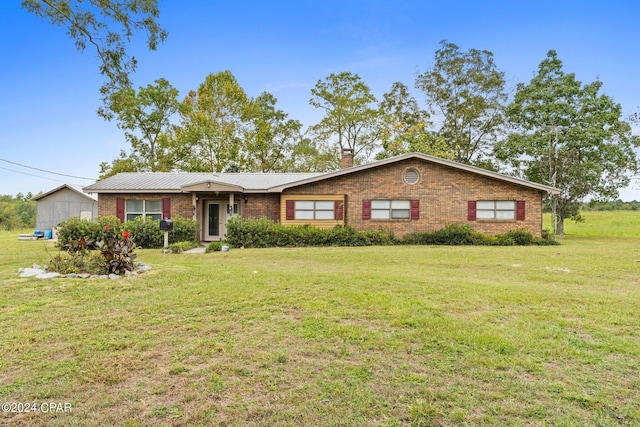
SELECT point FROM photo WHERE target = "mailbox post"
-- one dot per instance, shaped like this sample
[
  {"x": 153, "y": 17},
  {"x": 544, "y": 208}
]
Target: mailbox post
[{"x": 166, "y": 225}]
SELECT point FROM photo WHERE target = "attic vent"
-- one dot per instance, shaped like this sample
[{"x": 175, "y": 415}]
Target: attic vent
[{"x": 411, "y": 176}]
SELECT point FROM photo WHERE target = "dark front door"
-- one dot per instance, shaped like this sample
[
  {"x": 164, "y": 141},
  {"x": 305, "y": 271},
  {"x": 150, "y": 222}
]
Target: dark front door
[{"x": 213, "y": 225}]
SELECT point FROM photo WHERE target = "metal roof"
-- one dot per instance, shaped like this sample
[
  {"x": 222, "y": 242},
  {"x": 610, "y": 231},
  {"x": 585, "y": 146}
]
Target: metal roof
[
  {"x": 76, "y": 188},
  {"x": 425, "y": 157},
  {"x": 172, "y": 182}
]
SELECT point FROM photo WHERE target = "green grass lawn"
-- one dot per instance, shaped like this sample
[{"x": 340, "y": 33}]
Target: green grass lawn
[
  {"x": 602, "y": 223},
  {"x": 375, "y": 336}
]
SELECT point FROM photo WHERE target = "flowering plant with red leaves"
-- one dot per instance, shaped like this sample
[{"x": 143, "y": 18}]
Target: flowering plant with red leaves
[{"x": 118, "y": 252}]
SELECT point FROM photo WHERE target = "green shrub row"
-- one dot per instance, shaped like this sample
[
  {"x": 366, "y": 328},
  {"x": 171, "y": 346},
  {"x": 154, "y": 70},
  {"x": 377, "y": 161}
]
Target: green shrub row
[
  {"x": 146, "y": 233},
  {"x": 262, "y": 233}
]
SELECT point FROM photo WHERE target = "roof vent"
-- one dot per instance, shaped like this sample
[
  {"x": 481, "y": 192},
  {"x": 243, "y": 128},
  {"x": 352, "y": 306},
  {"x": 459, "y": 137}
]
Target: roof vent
[{"x": 411, "y": 176}]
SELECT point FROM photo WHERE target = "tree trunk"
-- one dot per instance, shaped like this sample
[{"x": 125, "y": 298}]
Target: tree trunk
[{"x": 560, "y": 226}]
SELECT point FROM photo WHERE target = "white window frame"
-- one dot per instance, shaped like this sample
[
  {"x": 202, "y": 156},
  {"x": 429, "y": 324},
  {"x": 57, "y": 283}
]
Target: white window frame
[
  {"x": 496, "y": 210},
  {"x": 390, "y": 209},
  {"x": 145, "y": 212},
  {"x": 314, "y": 210}
]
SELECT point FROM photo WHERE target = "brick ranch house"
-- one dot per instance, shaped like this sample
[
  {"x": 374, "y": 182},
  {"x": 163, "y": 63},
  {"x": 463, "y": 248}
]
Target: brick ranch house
[{"x": 406, "y": 193}]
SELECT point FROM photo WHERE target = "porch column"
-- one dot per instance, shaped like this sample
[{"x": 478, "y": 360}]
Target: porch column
[
  {"x": 194, "y": 206},
  {"x": 231, "y": 195}
]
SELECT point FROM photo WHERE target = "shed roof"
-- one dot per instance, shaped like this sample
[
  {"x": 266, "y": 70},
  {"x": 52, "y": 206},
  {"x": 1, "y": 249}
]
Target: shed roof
[{"x": 74, "y": 188}]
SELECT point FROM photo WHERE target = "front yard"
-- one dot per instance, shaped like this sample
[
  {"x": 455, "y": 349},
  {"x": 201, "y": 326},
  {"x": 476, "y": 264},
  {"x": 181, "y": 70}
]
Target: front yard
[{"x": 387, "y": 336}]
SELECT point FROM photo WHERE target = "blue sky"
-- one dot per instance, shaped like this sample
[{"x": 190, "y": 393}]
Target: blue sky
[{"x": 50, "y": 92}]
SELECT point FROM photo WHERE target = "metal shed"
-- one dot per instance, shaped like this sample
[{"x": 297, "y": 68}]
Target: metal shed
[{"x": 62, "y": 203}]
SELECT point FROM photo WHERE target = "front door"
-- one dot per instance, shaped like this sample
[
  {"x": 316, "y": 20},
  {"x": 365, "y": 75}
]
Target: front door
[
  {"x": 213, "y": 221},
  {"x": 217, "y": 213}
]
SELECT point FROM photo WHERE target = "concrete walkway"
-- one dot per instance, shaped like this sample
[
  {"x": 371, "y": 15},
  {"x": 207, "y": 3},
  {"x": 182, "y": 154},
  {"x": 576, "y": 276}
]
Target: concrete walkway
[{"x": 198, "y": 250}]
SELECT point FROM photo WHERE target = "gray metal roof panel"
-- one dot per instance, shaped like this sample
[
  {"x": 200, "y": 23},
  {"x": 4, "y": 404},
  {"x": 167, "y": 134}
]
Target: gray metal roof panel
[{"x": 174, "y": 181}]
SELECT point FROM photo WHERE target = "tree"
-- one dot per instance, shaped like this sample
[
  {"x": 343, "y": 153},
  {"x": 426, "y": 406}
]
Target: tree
[
  {"x": 568, "y": 135},
  {"x": 351, "y": 121},
  {"x": 108, "y": 26},
  {"x": 269, "y": 137},
  {"x": 123, "y": 163},
  {"x": 467, "y": 90},
  {"x": 210, "y": 132},
  {"x": 145, "y": 116},
  {"x": 405, "y": 126},
  {"x": 17, "y": 213}
]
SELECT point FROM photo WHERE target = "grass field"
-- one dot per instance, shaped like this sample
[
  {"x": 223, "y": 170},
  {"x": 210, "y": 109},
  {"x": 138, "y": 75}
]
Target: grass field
[
  {"x": 603, "y": 223},
  {"x": 376, "y": 336}
]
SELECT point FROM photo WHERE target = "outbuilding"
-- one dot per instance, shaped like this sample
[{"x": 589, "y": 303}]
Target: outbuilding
[{"x": 62, "y": 203}]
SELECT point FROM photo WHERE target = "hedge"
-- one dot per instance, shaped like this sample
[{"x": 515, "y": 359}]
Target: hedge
[
  {"x": 262, "y": 233},
  {"x": 146, "y": 233}
]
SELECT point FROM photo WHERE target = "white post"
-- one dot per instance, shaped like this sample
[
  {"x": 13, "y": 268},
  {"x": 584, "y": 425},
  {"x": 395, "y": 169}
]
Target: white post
[{"x": 166, "y": 239}]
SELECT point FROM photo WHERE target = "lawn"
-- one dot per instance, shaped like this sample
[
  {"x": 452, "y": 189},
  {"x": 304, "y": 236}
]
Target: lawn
[{"x": 375, "y": 336}]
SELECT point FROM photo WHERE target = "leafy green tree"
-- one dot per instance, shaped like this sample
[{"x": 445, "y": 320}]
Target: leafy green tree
[
  {"x": 123, "y": 163},
  {"x": 307, "y": 156},
  {"x": 351, "y": 121},
  {"x": 269, "y": 137},
  {"x": 568, "y": 135},
  {"x": 467, "y": 92},
  {"x": 107, "y": 26},
  {"x": 18, "y": 212},
  {"x": 209, "y": 136},
  {"x": 405, "y": 126},
  {"x": 145, "y": 116}
]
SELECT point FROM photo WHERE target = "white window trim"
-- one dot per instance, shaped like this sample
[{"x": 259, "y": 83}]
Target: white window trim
[
  {"x": 377, "y": 213},
  {"x": 144, "y": 213},
  {"x": 314, "y": 210},
  {"x": 496, "y": 213}
]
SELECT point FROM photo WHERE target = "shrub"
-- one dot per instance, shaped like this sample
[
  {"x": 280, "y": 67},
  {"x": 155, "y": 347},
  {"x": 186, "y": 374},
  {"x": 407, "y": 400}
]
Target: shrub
[
  {"x": 520, "y": 237},
  {"x": 213, "y": 247},
  {"x": 251, "y": 233},
  {"x": 184, "y": 230},
  {"x": 178, "y": 247},
  {"x": 117, "y": 251},
  {"x": 454, "y": 234},
  {"x": 146, "y": 233},
  {"x": 74, "y": 229},
  {"x": 91, "y": 262},
  {"x": 242, "y": 232}
]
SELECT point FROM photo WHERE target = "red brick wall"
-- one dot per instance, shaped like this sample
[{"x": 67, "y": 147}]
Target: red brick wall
[
  {"x": 180, "y": 203},
  {"x": 443, "y": 193},
  {"x": 261, "y": 205}
]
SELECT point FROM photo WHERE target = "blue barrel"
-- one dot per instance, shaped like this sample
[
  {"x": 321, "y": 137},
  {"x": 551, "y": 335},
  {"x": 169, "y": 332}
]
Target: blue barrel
[{"x": 48, "y": 233}]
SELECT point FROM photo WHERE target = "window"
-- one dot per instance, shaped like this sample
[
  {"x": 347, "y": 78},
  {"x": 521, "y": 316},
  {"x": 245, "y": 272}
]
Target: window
[
  {"x": 314, "y": 209},
  {"x": 496, "y": 209},
  {"x": 391, "y": 209},
  {"x": 144, "y": 208}
]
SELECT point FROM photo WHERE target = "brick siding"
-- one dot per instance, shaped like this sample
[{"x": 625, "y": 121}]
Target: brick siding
[
  {"x": 261, "y": 206},
  {"x": 443, "y": 193},
  {"x": 180, "y": 203}
]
